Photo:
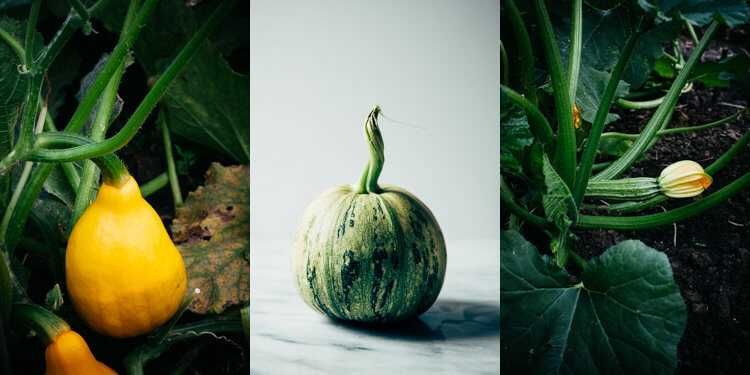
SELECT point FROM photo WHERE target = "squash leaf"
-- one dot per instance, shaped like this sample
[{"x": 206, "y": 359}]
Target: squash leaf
[
  {"x": 700, "y": 12},
  {"x": 209, "y": 102},
  {"x": 591, "y": 85},
  {"x": 515, "y": 136},
  {"x": 212, "y": 232},
  {"x": 625, "y": 316}
]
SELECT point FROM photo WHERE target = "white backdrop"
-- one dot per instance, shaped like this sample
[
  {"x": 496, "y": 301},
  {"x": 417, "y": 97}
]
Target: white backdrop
[{"x": 318, "y": 67}]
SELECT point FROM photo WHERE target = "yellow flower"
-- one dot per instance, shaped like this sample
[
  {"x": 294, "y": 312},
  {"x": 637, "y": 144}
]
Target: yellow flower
[
  {"x": 683, "y": 179},
  {"x": 576, "y": 116}
]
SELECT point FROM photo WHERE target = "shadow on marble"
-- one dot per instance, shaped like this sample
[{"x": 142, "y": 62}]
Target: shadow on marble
[{"x": 446, "y": 320}]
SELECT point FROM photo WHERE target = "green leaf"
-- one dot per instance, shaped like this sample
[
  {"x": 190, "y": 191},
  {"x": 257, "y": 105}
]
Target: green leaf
[
  {"x": 625, "y": 316},
  {"x": 209, "y": 102},
  {"x": 722, "y": 73},
  {"x": 57, "y": 185},
  {"x": 211, "y": 230},
  {"x": 605, "y": 32},
  {"x": 614, "y": 146},
  {"x": 591, "y": 85},
  {"x": 700, "y": 12},
  {"x": 515, "y": 136},
  {"x": 54, "y": 298}
]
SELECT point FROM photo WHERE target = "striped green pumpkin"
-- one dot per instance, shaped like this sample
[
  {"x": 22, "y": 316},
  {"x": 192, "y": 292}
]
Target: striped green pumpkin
[{"x": 369, "y": 253}]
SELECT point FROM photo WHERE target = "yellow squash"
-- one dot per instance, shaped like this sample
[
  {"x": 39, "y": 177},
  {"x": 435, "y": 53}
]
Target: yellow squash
[
  {"x": 124, "y": 274},
  {"x": 68, "y": 354}
]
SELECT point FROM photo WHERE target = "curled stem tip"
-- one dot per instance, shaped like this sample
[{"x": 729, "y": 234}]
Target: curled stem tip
[{"x": 368, "y": 183}]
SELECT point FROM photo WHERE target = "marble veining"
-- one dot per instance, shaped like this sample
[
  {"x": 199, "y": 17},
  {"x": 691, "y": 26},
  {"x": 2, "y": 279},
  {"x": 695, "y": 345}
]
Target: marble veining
[{"x": 458, "y": 335}]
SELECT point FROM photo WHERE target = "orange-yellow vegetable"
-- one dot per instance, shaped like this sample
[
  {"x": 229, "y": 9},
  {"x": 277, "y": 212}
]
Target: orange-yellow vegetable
[
  {"x": 684, "y": 179},
  {"x": 68, "y": 354},
  {"x": 124, "y": 274}
]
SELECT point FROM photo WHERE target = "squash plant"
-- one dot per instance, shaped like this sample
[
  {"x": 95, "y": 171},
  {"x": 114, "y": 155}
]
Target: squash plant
[
  {"x": 121, "y": 271},
  {"x": 620, "y": 312}
]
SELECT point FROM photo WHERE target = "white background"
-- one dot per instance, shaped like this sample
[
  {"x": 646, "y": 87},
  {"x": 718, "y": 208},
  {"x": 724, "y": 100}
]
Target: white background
[{"x": 316, "y": 70}]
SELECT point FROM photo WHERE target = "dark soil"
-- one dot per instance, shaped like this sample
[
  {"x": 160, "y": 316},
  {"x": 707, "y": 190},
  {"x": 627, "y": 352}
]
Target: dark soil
[{"x": 710, "y": 254}]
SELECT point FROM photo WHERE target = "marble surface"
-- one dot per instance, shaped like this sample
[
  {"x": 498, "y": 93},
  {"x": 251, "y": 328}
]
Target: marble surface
[{"x": 458, "y": 335}]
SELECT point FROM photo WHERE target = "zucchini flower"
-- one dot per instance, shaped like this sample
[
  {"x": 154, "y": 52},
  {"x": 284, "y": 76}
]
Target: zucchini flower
[
  {"x": 683, "y": 179},
  {"x": 576, "y": 116}
]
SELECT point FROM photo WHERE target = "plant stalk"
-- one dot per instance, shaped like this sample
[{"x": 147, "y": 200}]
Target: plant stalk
[
  {"x": 665, "y": 109},
  {"x": 174, "y": 182},
  {"x": 565, "y": 150},
  {"x": 369, "y": 184},
  {"x": 525, "y": 54},
  {"x": 589, "y": 153},
  {"x": 143, "y": 110}
]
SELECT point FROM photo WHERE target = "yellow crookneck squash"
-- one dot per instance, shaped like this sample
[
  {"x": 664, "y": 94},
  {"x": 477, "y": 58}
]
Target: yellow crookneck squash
[
  {"x": 124, "y": 275},
  {"x": 68, "y": 354}
]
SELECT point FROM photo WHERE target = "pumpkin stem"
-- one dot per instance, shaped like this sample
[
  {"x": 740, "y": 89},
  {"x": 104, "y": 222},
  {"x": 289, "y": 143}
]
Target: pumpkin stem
[
  {"x": 46, "y": 324},
  {"x": 368, "y": 183}
]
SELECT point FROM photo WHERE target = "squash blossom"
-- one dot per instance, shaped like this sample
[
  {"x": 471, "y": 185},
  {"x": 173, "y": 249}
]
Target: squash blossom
[
  {"x": 683, "y": 179},
  {"x": 576, "y": 116}
]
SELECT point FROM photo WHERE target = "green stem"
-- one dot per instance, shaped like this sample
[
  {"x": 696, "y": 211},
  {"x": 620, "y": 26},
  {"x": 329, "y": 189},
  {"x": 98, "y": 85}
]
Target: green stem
[
  {"x": 114, "y": 62},
  {"x": 646, "y": 104},
  {"x": 90, "y": 174},
  {"x": 80, "y": 9},
  {"x": 665, "y": 109},
  {"x": 174, "y": 182},
  {"x": 504, "y": 73},
  {"x": 143, "y": 110},
  {"x": 712, "y": 169},
  {"x": 592, "y": 146},
  {"x": 368, "y": 183},
  {"x": 154, "y": 185},
  {"x": 38, "y": 319},
  {"x": 13, "y": 44},
  {"x": 63, "y": 35},
  {"x": 576, "y": 44},
  {"x": 537, "y": 122},
  {"x": 40, "y": 174},
  {"x": 692, "y": 32},
  {"x": 580, "y": 261},
  {"x": 664, "y": 218},
  {"x": 114, "y": 171},
  {"x": 525, "y": 50},
  {"x": 565, "y": 150},
  {"x": 10, "y": 209},
  {"x": 70, "y": 171},
  {"x": 506, "y": 198},
  {"x": 685, "y": 129},
  {"x": 31, "y": 32}
]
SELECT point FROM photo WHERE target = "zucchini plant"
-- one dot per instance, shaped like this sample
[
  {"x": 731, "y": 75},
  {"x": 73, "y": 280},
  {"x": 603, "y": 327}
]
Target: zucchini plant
[
  {"x": 115, "y": 269},
  {"x": 620, "y": 312}
]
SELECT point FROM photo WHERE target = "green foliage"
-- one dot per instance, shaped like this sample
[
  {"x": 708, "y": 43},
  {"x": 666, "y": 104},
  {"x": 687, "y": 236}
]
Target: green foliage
[
  {"x": 624, "y": 316},
  {"x": 515, "y": 136},
  {"x": 591, "y": 86},
  {"x": 209, "y": 102},
  {"x": 699, "y": 12}
]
